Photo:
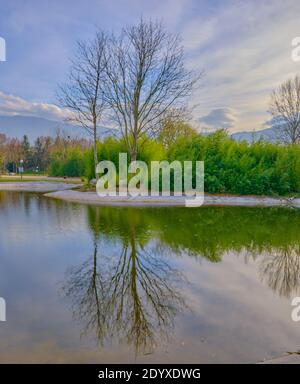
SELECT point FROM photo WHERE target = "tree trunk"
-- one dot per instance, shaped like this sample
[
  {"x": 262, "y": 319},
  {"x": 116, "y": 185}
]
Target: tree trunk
[
  {"x": 133, "y": 155},
  {"x": 95, "y": 151},
  {"x": 133, "y": 150}
]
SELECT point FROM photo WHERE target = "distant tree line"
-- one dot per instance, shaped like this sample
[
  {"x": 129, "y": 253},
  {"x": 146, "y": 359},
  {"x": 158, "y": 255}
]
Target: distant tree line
[{"x": 37, "y": 157}]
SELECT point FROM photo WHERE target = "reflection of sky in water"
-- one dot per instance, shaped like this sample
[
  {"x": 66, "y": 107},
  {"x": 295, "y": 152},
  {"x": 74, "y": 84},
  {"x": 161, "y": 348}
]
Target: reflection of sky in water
[{"x": 237, "y": 309}]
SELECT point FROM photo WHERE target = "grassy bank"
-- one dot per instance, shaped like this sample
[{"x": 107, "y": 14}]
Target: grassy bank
[{"x": 31, "y": 178}]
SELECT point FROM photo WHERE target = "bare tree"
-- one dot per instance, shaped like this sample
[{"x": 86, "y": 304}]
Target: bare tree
[
  {"x": 146, "y": 76},
  {"x": 14, "y": 152},
  {"x": 3, "y": 142},
  {"x": 285, "y": 109},
  {"x": 83, "y": 93}
]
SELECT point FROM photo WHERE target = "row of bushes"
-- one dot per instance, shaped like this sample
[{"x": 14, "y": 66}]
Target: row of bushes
[
  {"x": 80, "y": 163},
  {"x": 72, "y": 164},
  {"x": 230, "y": 166},
  {"x": 242, "y": 168}
]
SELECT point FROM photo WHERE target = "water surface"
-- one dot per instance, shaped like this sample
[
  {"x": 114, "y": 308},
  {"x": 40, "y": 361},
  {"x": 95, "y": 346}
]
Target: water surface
[{"x": 100, "y": 284}]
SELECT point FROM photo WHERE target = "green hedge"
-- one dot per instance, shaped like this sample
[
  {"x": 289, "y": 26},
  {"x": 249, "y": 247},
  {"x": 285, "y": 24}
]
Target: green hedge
[
  {"x": 230, "y": 166},
  {"x": 242, "y": 168},
  {"x": 72, "y": 165}
]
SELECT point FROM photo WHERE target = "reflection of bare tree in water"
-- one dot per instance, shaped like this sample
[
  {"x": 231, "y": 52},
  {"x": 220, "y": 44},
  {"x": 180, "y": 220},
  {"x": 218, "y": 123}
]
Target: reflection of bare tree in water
[
  {"x": 85, "y": 288},
  {"x": 132, "y": 296},
  {"x": 281, "y": 270}
]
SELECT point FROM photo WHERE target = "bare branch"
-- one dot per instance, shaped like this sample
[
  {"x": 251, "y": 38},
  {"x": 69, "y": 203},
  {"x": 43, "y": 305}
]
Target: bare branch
[{"x": 285, "y": 109}]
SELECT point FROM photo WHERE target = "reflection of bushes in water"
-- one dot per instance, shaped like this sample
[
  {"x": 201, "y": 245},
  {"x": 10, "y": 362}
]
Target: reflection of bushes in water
[
  {"x": 12, "y": 198},
  {"x": 15, "y": 200},
  {"x": 272, "y": 234},
  {"x": 207, "y": 231},
  {"x": 60, "y": 216}
]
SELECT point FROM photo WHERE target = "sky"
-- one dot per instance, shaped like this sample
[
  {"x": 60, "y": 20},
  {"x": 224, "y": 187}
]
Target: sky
[{"x": 243, "y": 47}]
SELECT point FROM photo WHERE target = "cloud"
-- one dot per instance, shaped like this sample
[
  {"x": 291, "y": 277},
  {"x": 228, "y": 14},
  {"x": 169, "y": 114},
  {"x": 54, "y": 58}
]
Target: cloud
[
  {"x": 219, "y": 118},
  {"x": 245, "y": 55},
  {"x": 243, "y": 47},
  {"x": 197, "y": 34},
  {"x": 14, "y": 105}
]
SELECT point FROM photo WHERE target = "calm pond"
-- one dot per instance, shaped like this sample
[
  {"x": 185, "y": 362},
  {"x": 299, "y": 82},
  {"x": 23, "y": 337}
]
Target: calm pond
[{"x": 100, "y": 284}]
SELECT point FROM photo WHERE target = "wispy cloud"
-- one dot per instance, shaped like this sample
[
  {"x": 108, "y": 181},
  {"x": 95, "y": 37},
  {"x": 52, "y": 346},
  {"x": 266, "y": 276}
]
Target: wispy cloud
[{"x": 14, "y": 105}]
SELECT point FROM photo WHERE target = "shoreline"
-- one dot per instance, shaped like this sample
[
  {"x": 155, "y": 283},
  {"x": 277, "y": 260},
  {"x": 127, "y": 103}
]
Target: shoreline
[
  {"x": 91, "y": 198},
  {"x": 36, "y": 186},
  {"x": 65, "y": 191}
]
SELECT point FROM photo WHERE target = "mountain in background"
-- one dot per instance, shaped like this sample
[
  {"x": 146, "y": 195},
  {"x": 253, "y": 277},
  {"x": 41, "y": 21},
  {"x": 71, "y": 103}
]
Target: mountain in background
[
  {"x": 270, "y": 135},
  {"x": 18, "y": 126}
]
